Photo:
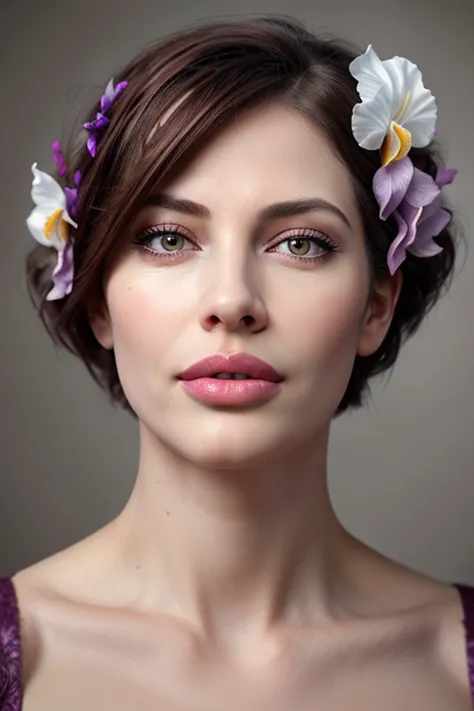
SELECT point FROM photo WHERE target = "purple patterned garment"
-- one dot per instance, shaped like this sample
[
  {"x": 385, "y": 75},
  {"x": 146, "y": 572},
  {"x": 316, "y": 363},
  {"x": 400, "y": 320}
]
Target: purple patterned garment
[
  {"x": 467, "y": 597},
  {"x": 10, "y": 649}
]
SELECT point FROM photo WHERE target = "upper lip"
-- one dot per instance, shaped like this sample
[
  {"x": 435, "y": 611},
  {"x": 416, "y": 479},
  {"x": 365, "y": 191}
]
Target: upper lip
[{"x": 233, "y": 363}]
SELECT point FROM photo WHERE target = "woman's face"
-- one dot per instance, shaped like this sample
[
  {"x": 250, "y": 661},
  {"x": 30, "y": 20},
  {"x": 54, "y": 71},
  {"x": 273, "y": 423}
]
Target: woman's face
[{"x": 291, "y": 290}]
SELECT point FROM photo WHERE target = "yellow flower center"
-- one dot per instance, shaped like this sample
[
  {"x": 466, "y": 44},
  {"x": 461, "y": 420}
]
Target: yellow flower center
[
  {"x": 393, "y": 149},
  {"x": 55, "y": 222},
  {"x": 397, "y": 142}
]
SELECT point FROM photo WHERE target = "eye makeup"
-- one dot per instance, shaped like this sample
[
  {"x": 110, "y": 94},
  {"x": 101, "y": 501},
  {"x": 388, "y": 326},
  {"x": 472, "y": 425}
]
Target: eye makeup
[{"x": 178, "y": 236}]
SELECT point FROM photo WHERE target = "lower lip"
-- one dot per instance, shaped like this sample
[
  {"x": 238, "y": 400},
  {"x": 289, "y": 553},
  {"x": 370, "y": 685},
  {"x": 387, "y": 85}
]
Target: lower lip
[{"x": 230, "y": 392}]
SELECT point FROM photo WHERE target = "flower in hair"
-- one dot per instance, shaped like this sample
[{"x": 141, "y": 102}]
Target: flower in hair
[
  {"x": 48, "y": 223},
  {"x": 101, "y": 121},
  {"x": 396, "y": 111}
]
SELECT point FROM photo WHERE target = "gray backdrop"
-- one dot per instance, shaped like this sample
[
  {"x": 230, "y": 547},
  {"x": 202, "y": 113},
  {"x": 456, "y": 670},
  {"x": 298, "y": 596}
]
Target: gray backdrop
[{"x": 401, "y": 472}]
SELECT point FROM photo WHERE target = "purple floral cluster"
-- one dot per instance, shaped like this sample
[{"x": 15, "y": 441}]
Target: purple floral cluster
[
  {"x": 63, "y": 273},
  {"x": 101, "y": 121},
  {"x": 414, "y": 199}
]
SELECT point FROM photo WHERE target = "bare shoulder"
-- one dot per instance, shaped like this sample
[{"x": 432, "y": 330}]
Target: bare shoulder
[
  {"x": 452, "y": 646},
  {"x": 415, "y": 601},
  {"x": 41, "y": 589},
  {"x": 443, "y": 611}
]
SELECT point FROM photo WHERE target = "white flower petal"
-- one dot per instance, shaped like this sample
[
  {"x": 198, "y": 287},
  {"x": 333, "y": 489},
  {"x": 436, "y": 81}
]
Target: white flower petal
[
  {"x": 36, "y": 222},
  {"x": 402, "y": 75},
  {"x": 68, "y": 218},
  {"x": 420, "y": 117},
  {"x": 109, "y": 89},
  {"x": 413, "y": 106},
  {"x": 369, "y": 72},
  {"x": 46, "y": 192},
  {"x": 371, "y": 120}
]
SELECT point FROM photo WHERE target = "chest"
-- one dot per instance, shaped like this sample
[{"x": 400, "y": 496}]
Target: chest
[{"x": 97, "y": 675}]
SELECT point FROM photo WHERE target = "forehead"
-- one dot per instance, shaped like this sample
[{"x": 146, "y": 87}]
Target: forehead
[{"x": 267, "y": 154}]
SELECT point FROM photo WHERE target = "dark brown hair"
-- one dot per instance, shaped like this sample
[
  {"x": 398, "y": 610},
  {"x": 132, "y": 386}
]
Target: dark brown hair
[{"x": 220, "y": 69}]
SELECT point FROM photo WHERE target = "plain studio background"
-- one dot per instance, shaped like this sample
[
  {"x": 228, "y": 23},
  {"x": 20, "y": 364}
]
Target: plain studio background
[{"x": 401, "y": 473}]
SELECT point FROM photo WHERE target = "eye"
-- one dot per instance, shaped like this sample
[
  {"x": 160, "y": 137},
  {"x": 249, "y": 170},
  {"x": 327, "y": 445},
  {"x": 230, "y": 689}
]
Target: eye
[
  {"x": 162, "y": 240},
  {"x": 305, "y": 245}
]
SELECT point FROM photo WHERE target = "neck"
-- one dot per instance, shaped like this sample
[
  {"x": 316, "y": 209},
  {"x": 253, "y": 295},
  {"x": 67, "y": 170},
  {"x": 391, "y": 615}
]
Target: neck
[{"x": 234, "y": 551}]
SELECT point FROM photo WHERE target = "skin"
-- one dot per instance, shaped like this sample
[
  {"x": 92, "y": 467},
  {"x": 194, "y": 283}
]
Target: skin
[{"x": 228, "y": 572}]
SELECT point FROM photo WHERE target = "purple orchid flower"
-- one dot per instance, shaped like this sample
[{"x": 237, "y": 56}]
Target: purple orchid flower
[
  {"x": 95, "y": 127},
  {"x": 63, "y": 273},
  {"x": 58, "y": 157}
]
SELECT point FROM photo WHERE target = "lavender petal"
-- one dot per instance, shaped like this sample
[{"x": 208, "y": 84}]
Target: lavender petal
[
  {"x": 430, "y": 225},
  {"x": 446, "y": 176},
  {"x": 105, "y": 103},
  {"x": 390, "y": 185},
  {"x": 58, "y": 157},
  {"x": 71, "y": 201},
  {"x": 119, "y": 88},
  {"x": 63, "y": 273},
  {"x": 411, "y": 216},
  {"x": 99, "y": 122},
  {"x": 422, "y": 190},
  {"x": 396, "y": 254},
  {"x": 92, "y": 145},
  {"x": 59, "y": 160}
]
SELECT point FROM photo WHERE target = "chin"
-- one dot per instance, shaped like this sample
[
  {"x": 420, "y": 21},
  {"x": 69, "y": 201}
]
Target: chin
[
  {"x": 239, "y": 446},
  {"x": 231, "y": 440}
]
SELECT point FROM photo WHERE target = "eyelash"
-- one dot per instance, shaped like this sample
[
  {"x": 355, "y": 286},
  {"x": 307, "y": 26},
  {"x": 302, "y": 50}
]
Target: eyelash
[{"x": 318, "y": 238}]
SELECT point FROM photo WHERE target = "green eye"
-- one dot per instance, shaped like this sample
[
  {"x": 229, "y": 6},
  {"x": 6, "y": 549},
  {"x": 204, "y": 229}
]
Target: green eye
[
  {"x": 172, "y": 241},
  {"x": 300, "y": 245}
]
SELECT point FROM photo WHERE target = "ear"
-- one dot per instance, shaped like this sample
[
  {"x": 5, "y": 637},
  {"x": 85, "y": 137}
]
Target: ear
[
  {"x": 100, "y": 323},
  {"x": 379, "y": 313}
]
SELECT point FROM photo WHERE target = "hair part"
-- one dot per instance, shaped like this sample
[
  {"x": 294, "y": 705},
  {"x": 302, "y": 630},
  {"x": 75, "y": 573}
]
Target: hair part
[{"x": 199, "y": 80}]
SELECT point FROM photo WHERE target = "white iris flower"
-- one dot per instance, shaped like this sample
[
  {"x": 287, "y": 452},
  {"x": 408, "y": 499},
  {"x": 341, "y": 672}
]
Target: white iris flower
[{"x": 396, "y": 111}]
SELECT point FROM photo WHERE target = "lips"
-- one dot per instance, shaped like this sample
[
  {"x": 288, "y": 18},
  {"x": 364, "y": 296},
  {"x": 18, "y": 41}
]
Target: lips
[{"x": 235, "y": 363}]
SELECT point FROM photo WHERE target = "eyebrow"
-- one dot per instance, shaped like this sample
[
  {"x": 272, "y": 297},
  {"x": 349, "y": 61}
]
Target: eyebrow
[{"x": 274, "y": 211}]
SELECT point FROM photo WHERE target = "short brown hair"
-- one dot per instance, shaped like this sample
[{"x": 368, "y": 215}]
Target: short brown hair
[{"x": 222, "y": 68}]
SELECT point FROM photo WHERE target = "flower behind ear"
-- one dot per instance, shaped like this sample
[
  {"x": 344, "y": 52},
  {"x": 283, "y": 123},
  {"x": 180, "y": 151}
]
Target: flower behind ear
[
  {"x": 48, "y": 223},
  {"x": 397, "y": 112},
  {"x": 55, "y": 208}
]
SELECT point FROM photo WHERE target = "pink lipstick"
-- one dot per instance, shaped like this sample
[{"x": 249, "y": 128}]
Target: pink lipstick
[{"x": 237, "y": 379}]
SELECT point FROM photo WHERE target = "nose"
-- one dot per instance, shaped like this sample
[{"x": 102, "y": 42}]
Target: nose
[{"x": 230, "y": 298}]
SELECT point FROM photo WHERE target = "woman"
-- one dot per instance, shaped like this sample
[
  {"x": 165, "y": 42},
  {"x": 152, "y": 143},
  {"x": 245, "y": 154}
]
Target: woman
[{"x": 251, "y": 228}]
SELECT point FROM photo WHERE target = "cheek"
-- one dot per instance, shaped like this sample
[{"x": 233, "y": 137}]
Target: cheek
[
  {"x": 320, "y": 329},
  {"x": 321, "y": 317},
  {"x": 145, "y": 325},
  {"x": 143, "y": 317}
]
